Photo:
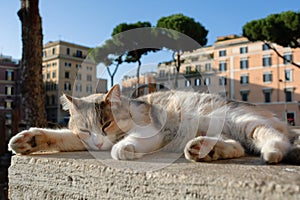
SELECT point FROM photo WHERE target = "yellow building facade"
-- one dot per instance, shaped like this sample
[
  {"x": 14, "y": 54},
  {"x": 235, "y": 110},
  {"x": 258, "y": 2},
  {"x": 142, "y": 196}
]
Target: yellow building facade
[{"x": 66, "y": 71}]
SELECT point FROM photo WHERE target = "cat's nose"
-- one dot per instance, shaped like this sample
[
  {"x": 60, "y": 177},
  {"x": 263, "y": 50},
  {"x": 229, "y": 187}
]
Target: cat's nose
[{"x": 99, "y": 145}]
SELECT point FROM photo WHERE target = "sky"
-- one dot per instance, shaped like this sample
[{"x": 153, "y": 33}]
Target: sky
[{"x": 91, "y": 22}]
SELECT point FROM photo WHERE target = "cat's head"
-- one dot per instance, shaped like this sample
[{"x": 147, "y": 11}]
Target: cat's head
[{"x": 94, "y": 118}]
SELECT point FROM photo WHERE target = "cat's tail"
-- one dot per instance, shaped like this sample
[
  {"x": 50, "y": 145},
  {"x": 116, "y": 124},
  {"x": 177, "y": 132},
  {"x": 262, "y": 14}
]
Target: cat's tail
[{"x": 292, "y": 156}]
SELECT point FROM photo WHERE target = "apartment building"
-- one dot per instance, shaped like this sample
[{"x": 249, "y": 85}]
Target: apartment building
[
  {"x": 258, "y": 75},
  {"x": 146, "y": 84},
  {"x": 10, "y": 96},
  {"x": 66, "y": 70},
  {"x": 242, "y": 70},
  {"x": 196, "y": 72}
]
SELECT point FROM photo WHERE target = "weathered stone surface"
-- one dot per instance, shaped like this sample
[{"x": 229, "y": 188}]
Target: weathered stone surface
[{"x": 78, "y": 175}]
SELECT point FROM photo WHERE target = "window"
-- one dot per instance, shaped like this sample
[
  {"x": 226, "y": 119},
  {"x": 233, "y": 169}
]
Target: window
[
  {"x": 9, "y": 90},
  {"x": 78, "y": 66},
  {"x": 47, "y": 100},
  {"x": 48, "y": 75},
  {"x": 288, "y": 95},
  {"x": 67, "y": 86},
  {"x": 79, "y": 53},
  {"x": 8, "y": 104},
  {"x": 67, "y": 74},
  {"x": 244, "y": 63},
  {"x": 67, "y": 64},
  {"x": 244, "y": 95},
  {"x": 267, "y": 97},
  {"x": 197, "y": 82},
  {"x": 267, "y": 94},
  {"x": 8, "y": 118},
  {"x": 68, "y": 51},
  {"x": 188, "y": 69},
  {"x": 78, "y": 76},
  {"x": 54, "y": 64},
  {"x": 222, "y": 80},
  {"x": 207, "y": 81},
  {"x": 243, "y": 50},
  {"x": 161, "y": 73},
  {"x": 53, "y": 99},
  {"x": 222, "y": 53},
  {"x": 44, "y": 54},
  {"x": 290, "y": 117},
  {"x": 267, "y": 77},
  {"x": 267, "y": 61},
  {"x": 89, "y": 89},
  {"x": 288, "y": 75},
  {"x": 222, "y": 66},
  {"x": 208, "y": 67},
  {"x": 244, "y": 79},
  {"x": 89, "y": 77},
  {"x": 53, "y": 74},
  {"x": 174, "y": 70},
  {"x": 265, "y": 47},
  {"x": 53, "y": 86},
  {"x": 198, "y": 68},
  {"x": 89, "y": 68},
  {"x": 53, "y": 51},
  {"x": 9, "y": 75},
  {"x": 78, "y": 87},
  {"x": 187, "y": 83},
  {"x": 288, "y": 58}
]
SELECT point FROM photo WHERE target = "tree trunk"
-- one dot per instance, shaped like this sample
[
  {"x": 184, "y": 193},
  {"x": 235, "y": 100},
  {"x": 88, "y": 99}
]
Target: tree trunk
[{"x": 32, "y": 87}]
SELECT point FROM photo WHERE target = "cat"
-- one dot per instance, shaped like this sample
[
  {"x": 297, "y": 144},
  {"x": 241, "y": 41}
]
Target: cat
[{"x": 205, "y": 127}]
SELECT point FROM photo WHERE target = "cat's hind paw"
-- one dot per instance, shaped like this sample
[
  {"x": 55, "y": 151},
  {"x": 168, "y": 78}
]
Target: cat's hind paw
[
  {"x": 209, "y": 149},
  {"x": 124, "y": 151},
  {"x": 27, "y": 141}
]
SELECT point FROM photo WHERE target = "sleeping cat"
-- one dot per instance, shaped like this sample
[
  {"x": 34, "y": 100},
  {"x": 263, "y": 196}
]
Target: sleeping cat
[{"x": 205, "y": 127}]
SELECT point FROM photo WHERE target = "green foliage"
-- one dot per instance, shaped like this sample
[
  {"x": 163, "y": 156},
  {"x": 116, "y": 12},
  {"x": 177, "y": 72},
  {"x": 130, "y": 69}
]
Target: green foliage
[
  {"x": 135, "y": 46},
  {"x": 282, "y": 29},
  {"x": 184, "y": 25}
]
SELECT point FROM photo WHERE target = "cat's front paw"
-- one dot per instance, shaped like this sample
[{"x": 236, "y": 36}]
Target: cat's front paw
[
  {"x": 27, "y": 141},
  {"x": 124, "y": 151}
]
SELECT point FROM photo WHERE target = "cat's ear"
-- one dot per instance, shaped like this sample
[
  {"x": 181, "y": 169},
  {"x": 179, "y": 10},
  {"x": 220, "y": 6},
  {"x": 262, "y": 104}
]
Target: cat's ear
[
  {"x": 114, "y": 94},
  {"x": 68, "y": 102}
]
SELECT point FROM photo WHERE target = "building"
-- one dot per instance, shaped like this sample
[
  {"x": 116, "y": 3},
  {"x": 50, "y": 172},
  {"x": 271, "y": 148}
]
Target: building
[
  {"x": 10, "y": 95},
  {"x": 196, "y": 71},
  {"x": 147, "y": 84},
  {"x": 242, "y": 70},
  {"x": 67, "y": 71},
  {"x": 258, "y": 75},
  {"x": 11, "y": 115}
]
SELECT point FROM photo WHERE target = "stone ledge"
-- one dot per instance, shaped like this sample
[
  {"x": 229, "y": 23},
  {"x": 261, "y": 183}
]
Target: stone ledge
[{"x": 78, "y": 175}]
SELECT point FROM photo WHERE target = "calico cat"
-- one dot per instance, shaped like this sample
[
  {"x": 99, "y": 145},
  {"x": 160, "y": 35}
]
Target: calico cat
[{"x": 205, "y": 127}]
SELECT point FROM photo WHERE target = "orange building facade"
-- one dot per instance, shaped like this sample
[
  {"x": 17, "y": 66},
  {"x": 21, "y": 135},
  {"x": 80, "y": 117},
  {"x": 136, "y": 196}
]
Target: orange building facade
[{"x": 240, "y": 70}]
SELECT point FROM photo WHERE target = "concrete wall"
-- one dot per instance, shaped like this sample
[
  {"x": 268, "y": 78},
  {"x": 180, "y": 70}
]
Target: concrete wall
[{"x": 78, "y": 175}]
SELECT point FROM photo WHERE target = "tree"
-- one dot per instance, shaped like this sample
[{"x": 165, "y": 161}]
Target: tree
[
  {"x": 187, "y": 26},
  {"x": 282, "y": 29},
  {"x": 135, "y": 47},
  {"x": 32, "y": 86},
  {"x": 110, "y": 53}
]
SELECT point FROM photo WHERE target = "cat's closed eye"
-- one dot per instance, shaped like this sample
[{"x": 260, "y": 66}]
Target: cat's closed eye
[{"x": 85, "y": 131}]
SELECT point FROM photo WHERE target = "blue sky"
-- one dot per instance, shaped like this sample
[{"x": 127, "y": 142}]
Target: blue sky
[{"x": 90, "y": 22}]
